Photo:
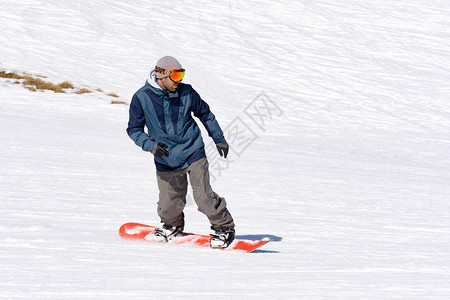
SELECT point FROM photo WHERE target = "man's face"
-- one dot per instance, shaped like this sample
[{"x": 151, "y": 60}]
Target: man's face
[{"x": 168, "y": 84}]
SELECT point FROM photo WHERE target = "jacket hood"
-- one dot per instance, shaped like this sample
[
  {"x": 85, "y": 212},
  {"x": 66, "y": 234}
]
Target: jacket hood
[{"x": 151, "y": 79}]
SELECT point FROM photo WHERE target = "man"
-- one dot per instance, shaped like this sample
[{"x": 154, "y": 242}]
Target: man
[{"x": 165, "y": 106}]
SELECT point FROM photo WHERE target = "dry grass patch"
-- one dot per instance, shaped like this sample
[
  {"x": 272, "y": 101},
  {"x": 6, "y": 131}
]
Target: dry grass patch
[
  {"x": 66, "y": 85},
  {"x": 11, "y": 75},
  {"x": 34, "y": 82},
  {"x": 42, "y": 85},
  {"x": 37, "y": 75},
  {"x": 83, "y": 91},
  {"x": 31, "y": 88},
  {"x": 119, "y": 102},
  {"x": 113, "y": 95}
]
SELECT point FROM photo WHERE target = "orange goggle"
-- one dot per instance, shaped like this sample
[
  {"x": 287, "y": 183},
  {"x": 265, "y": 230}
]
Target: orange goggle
[{"x": 175, "y": 74}]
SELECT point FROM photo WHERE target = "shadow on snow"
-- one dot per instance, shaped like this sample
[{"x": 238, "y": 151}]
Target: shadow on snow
[{"x": 273, "y": 238}]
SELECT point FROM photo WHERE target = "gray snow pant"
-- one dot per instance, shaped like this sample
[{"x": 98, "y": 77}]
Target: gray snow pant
[{"x": 173, "y": 186}]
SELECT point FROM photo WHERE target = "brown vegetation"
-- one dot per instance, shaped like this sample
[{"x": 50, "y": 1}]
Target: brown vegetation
[
  {"x": 3, "y": 74},
  {"x": 83, "y": 91},
  {"x": 33, "y": 83},
  {"x": 119, "y": 102},
  {"x": 42, "y": 85},
  {"x": 66, "y": 85}
]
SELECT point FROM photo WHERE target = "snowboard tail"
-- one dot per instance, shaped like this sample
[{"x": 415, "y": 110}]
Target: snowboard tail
[{"x": 136, "y": 231}]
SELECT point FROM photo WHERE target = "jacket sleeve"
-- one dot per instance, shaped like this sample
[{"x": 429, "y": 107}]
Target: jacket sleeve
[
  {"x": 136, "y": 124},
  {"x": 202, "y": 111}
]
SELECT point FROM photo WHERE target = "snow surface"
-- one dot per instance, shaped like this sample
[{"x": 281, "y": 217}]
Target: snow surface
[{"x": 346, "y": 167}]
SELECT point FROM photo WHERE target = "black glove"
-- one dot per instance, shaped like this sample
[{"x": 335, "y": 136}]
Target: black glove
[
  {"x": 223, "y": 150},
  {"x": 160, "y": 150}
]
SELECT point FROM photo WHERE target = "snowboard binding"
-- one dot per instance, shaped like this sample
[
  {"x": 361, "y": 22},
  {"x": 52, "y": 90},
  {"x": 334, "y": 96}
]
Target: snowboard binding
[
  {"x": 167, "y": 232},
  {"x": 222, "y": 238}
]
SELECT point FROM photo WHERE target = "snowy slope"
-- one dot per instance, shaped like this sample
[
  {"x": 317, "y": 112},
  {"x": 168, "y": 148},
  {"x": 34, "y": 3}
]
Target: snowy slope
[{"x": 346, "y": 166}]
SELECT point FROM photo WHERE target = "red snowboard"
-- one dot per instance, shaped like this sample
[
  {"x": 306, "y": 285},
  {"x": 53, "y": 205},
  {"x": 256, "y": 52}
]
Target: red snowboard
[{"x": 135, "y": 231}]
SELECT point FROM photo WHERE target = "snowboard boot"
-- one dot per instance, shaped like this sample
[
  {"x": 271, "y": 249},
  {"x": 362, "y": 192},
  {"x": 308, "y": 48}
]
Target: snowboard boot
[
  {"x": 167, "y": 232},
  {"x": 223, "y": 238}
]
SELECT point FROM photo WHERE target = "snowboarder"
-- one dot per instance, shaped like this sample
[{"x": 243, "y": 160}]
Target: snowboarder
[{"x": 165, "y": 106}]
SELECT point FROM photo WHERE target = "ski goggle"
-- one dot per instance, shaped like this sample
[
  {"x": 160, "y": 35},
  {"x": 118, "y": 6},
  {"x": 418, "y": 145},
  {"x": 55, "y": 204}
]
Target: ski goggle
[{"x": 175, "y": 74}]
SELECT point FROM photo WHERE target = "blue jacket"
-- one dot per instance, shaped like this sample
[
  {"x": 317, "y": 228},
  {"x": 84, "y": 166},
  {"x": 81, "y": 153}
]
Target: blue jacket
[{"x": 168, "y": 118}]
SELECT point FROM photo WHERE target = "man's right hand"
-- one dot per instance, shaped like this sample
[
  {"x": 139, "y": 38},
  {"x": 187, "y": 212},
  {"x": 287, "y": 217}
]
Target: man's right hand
[{"x": 160, "y": 150}]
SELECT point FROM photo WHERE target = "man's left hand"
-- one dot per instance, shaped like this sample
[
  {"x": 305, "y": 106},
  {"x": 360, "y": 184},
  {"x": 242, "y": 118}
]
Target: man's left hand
[{"x": 223, "y": 149}]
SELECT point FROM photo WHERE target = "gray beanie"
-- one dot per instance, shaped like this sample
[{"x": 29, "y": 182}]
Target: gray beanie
[{"x": 166, "y": 63}]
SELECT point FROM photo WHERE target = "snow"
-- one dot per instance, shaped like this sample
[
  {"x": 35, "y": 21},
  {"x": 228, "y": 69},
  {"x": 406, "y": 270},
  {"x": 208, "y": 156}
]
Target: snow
[{"x": 345, "y": 168}]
